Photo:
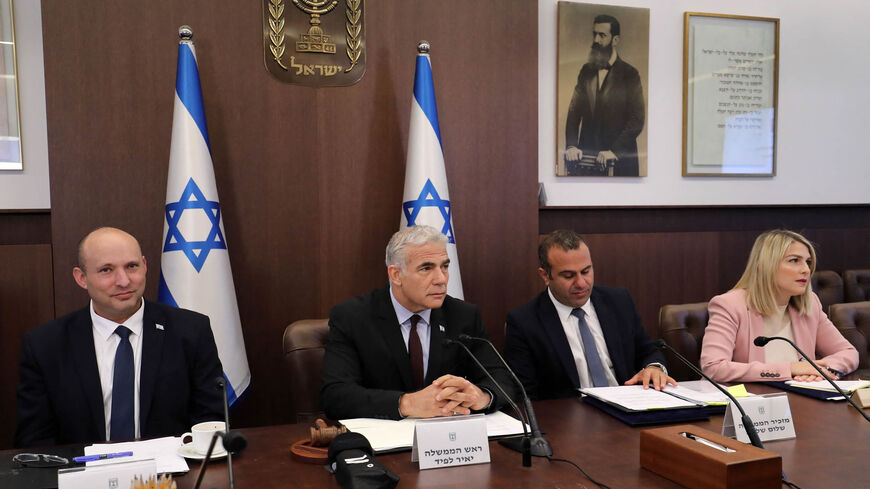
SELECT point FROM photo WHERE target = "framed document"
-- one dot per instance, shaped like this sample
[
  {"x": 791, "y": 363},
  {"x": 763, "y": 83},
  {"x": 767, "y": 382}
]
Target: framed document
[
  {"x": 10, "y": 134},
  {"x": 730, "y": 80}
]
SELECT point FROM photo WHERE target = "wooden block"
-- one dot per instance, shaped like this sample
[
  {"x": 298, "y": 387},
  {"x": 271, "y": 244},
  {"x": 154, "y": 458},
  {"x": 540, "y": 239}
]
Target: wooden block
[
  {"x": 861, "y": 397},
  {"x": 694, "y": 465}
]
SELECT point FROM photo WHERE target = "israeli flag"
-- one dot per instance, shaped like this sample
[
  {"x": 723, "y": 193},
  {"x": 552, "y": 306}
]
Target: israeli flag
[
  {"x": 195, "y": 267},
  {"x": 426, "y": 199}
]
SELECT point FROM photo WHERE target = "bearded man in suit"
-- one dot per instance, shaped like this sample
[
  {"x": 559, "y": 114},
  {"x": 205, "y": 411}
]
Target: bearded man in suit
[{"x": 607, "y": 108}]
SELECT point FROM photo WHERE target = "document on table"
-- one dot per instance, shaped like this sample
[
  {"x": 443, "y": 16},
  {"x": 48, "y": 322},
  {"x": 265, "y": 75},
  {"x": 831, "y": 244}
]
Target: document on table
[
  {"x": 848, "y": 386},
  {"x": 164, "y": 451},
  {"x": 636, "y": 398},
  {"x": 385, "y": 434}
]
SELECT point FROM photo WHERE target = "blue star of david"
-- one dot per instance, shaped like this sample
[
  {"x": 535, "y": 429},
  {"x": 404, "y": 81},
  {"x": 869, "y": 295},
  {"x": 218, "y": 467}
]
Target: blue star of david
[
  {"x": 429, "y": 198},
  {"x": 196, "y": 251}
]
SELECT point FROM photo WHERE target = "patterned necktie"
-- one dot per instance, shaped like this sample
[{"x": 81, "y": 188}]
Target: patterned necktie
[
  {"x": 122, "y": 427},
  {"x": 593, "y": 361},
  {"x": 415, "y": 351}
]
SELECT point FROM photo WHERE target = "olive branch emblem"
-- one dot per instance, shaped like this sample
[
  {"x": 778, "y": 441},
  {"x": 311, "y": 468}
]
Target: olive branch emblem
[
  {"x": 354, "y": 14},
  {"x": 276, "y": 25}
]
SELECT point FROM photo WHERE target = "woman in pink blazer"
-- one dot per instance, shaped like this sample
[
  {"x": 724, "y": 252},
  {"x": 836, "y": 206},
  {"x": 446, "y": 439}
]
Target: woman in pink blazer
[{"x": 773, "y": 298}]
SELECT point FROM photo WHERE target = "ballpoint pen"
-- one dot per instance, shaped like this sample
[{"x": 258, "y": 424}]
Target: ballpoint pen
[{"x": 103, "y": 456}]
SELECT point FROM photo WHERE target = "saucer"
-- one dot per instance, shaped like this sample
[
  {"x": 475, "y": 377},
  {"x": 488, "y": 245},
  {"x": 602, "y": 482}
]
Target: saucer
[{"x": 187, "y": 451}]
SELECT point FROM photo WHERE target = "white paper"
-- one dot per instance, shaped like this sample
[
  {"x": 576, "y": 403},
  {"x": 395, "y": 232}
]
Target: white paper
[
  {"x": 386, "y": 434},
  {"x": 636, "y": 398},
  {"x": 848, "y": 386},
  {"x": 164, "y": 451},
  {"x": 710, "y": 397}
]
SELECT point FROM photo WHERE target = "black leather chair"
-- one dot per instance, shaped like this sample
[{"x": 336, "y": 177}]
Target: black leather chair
[
  {"x": 852, "y": 319},
  {"x": 682, "y": 327},
  {"x": 857, "y": 285},
  {"x": 828, "y": 285},
  {"x": 304, "y": 345}
]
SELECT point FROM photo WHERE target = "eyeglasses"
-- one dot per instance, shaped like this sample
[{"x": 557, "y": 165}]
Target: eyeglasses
[{"x": 39, "y": 460}]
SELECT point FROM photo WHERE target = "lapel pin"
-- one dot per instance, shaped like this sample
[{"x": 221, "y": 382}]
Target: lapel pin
[
  {"x": 441, "y": 327},
  {"x": 159, "y": 327}
]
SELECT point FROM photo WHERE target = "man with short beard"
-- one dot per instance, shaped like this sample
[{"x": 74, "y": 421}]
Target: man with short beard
[{"x": 607, "y": 108}]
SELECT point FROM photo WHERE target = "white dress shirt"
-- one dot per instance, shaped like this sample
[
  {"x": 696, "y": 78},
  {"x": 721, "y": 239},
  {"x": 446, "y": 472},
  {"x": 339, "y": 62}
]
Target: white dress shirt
[
  {"x": 105, "y": 344},
  {"x": 571, "y": 326}
]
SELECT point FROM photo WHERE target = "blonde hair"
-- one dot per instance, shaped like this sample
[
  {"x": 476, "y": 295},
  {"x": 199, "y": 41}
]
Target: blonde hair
[{"x": 759, "y": 278}]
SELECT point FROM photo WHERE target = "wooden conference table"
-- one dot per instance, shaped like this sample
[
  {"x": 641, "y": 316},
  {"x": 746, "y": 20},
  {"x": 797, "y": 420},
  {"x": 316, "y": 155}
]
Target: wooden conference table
[{"x": 831, "y": 451}]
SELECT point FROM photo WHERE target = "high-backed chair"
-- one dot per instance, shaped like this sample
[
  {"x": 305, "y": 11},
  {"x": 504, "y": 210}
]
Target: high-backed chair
[
  {"x": 682, "y": 327},
  {"x": 853, "y": 321},
  {"x": 828, "y": 285},
  {"x": 304, "y": 345},
  {"x": 857, "y": 284}
]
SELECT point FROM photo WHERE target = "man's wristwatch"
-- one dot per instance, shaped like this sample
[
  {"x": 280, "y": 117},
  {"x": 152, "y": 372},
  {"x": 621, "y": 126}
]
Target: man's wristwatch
[{"x": 658, "y": 365}]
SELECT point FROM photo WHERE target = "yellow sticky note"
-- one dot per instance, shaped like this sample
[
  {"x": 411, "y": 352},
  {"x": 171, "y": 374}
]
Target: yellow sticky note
[{"x": 738, "y": 390}]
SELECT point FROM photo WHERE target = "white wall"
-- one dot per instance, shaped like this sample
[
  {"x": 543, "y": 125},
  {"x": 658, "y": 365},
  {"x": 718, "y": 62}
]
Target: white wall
[
  {"x": 28, "y": 189},
  {"x": 823, "y": 126}
]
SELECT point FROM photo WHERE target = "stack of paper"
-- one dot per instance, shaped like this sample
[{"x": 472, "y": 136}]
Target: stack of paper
[
  {"x": 164, "y": 451},
  {"x": 848, "y": 386}
]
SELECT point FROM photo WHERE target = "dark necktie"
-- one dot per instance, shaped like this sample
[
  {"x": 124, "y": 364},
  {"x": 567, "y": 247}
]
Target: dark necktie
[
  {"x": 593, "y": 361},
  {"x": 122, "y": 427},
  {"x": 415, "y": 351}
]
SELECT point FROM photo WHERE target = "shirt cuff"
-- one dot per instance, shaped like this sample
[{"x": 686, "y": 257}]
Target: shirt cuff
[{"x": 659, "y": 365}]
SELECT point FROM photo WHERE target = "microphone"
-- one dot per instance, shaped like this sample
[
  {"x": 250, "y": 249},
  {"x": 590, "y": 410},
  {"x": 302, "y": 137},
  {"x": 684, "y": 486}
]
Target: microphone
[
  {"x": 763, "y": 340},
  {"x": 747, "y": 421},
  {"x": 233, "y": 441},
  {"x": 527, "y": 458},
  {"x": 539, "y": 445}
]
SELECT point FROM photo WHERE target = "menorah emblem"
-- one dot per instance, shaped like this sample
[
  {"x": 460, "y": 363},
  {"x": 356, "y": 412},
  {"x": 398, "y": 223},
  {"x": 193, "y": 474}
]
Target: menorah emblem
[{"x": 315, "y": 41}]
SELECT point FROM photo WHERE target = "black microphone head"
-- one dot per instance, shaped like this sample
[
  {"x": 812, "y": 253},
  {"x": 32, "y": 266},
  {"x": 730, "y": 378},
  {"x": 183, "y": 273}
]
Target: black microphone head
[
  {"x": 447, "y": 341},
  {"x": 660, "y": 344},
  {"x": 465, "y": 337},
  {"x": 761, "y": 340},
  {"x": 220, "y": 382},
  {"x": 234, "y": 441}
]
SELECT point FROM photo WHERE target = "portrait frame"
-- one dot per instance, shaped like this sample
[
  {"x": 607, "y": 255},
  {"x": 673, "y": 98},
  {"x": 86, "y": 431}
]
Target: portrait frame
[
  {"x": 10, "y": 118},
  {"x": 574, "y": 46},
  {"x": 730, "y": 90}
]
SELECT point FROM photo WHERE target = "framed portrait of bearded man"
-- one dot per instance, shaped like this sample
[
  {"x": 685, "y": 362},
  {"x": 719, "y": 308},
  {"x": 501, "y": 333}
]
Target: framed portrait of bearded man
[{"x": 601, "y": 94}]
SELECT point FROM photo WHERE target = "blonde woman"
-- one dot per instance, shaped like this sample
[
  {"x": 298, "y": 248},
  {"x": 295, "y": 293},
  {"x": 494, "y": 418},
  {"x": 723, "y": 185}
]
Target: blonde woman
[{"x": 773, "y": 298}]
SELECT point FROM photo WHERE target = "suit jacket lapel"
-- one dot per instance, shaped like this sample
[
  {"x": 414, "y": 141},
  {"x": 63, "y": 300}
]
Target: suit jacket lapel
[
  {"x": 556, "y": 333},
  {"x": 389, "y": 329},
  {"x": 152, "y": 357},
  {"x": 611, "y": 333},
  {"x": 435, "y": 370},
  {"x": 85, "y": 361}
]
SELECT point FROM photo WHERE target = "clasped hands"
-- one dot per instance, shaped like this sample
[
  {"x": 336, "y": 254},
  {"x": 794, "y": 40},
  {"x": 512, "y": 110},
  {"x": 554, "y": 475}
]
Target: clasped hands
[
  {"x": 446, "y": 396},
  {"x": 804, "y": 372},
  {"x": 573, "y": 153}
]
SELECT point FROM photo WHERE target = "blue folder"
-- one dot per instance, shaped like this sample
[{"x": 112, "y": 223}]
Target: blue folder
[{"x": 656, "y": 416}]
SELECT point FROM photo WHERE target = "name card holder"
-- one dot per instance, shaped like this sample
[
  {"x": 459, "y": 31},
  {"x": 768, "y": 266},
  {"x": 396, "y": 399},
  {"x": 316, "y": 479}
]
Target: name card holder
[
  {"x": 708, "y": 460},
  {"x": 770, "y": 414},
  {"x": 862, "y": 398},
  {"x": 451, "y": 441},
  {"x": 109, "y": 476}
]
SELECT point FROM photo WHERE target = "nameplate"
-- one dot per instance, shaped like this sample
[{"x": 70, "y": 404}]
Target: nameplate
[
  {"x": 770, "y": 413},
  {"x": 109, "y": 476},
  {"x": 452, "y": 441}
]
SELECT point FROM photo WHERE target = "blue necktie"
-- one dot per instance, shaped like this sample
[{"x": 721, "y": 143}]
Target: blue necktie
[
  {"x": 122, "y": 427},
  {"x": 593, "y": 361}
]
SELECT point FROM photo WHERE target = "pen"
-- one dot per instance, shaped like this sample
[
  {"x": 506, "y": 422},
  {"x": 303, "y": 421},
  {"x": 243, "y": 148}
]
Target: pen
[{"x": 92, "y": 458}]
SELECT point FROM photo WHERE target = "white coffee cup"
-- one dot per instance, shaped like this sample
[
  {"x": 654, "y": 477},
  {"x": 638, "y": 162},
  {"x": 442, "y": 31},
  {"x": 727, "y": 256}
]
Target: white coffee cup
[{"x": 201, "y": 434}]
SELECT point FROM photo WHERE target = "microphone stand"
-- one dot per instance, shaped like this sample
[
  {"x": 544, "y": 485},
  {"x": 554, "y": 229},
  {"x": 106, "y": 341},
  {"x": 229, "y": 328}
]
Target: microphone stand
[
  {"x": 747, "y": 421},
  {"x": 527, "y": 457},
  {"x": 763, "y": 340},
  {"x": 539, "y": 445},
  {"x": 222, "y": 385}
]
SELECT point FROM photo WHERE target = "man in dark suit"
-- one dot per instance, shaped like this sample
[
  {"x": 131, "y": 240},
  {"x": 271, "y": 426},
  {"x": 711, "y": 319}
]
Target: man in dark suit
[
  {"x": 573, "y": 335},
  {"x": 386, "y": 357},
  {"x": 121, "y": 368},
  {"x": 607, "y": 108}
]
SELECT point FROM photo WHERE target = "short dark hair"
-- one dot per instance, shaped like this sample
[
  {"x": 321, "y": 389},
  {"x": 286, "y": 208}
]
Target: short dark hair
[
  {"x": 608, "y": 19},
  {"x": 563, "y": 238}
]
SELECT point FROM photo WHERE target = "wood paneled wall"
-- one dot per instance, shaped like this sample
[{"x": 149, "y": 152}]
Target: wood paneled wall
[
  {"x": 310, "y": 179},
  {"x": 26, "y": 298}
]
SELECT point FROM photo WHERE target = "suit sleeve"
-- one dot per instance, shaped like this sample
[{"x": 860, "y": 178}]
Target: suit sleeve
[
  {"x": 36, "y": 421},
  {"x": 342, "y": 394},
  {"x": 625, "y": 144},
  {"x": 518, "y": 355},
  {"x": 717, "y": 350},
  {"x": 575, "y": 114},
  {"x": 206, "y": 403}
]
